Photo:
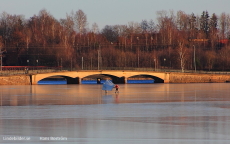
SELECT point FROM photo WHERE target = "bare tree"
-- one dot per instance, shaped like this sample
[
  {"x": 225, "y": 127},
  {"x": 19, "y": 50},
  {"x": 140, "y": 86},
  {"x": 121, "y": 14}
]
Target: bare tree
[
  {"x": 210, "y": 58},
  {"x": 223, "y": 58},
  {"x": 5, "y": 26},
  {"x": 122, "y": 31},
  {"x": 95, "y": 28},
  {"x": 182, "y": 21},
  {"x": 95, "y": 31},
  {"x": 133, "y": 28},
  {"x": 182, "y": 52},
  {"x": 167, "y": 26},
  {"x": 81, "y": 21},
  {"x": 2, "y": 53},
  {"x": 145, "y": 27}
]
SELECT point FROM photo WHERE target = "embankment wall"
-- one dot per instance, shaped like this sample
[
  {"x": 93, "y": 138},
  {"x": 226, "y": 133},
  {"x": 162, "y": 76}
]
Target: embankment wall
[
  {"x": 197, "y": 78},
  {"x": 15, "y": 80}
]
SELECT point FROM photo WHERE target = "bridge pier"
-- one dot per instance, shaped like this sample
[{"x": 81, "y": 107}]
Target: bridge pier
[
  {"x": 159, "y": 81},
  {"x": 98, "y": 80},
  {"x": 73, "y": 80}
]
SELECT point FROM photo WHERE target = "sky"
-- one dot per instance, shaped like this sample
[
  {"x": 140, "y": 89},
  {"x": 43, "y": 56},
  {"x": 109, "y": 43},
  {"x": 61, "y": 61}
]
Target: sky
[{"x": 112, "y": 12}]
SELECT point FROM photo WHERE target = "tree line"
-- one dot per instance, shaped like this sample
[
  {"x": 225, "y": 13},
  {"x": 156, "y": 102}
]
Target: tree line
[{"x": 175, "y": 40}]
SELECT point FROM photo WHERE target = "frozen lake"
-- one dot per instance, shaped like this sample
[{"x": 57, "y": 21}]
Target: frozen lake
[{"x": 139, "y": 113}]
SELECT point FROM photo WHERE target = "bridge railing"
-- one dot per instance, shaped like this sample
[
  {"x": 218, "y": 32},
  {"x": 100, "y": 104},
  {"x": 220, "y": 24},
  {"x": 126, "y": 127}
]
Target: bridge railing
[
  {"x": 156, "y": 70},
  {"x": 20, "y": 70}
]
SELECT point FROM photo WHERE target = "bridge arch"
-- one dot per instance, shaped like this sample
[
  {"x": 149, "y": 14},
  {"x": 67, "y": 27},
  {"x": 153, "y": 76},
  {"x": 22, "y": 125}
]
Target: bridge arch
[
  {"x": 156, "y": 79},
  {"x": 69, "y": 80},
  {"x": 115, "y": 79}
]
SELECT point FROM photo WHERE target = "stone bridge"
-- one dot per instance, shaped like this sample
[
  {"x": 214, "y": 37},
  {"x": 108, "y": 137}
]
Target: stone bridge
[{"x": 117, "y": 76}]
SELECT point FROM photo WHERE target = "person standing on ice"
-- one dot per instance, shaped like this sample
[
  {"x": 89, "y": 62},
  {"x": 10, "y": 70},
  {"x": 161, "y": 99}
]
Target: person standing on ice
[{"x": 116, "y": 87}]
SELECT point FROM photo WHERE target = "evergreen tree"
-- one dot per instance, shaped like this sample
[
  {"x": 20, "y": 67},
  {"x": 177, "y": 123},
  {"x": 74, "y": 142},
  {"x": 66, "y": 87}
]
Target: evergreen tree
[
  {"x": 213, "y": 30},
  {"x": 213, "y": 22},
  {"x": 204, "y": 23},
  {"x": 192, "y": 21}
]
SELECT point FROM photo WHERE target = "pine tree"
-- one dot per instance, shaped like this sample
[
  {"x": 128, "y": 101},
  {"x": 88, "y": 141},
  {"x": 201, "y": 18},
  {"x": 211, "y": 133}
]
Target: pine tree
[
  {"x": 213, "y": 30},
  {"x": 213, "y": 21},
  {"x": 192, "y": 21},
  {"x": 204, "y": 23}
]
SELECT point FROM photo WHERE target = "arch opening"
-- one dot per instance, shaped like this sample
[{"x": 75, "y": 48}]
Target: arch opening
[
  {"x": 144, "y": 79},
  {"x": 58, "y": 79},
  {"x": 100, "y": 78},
  {"x": 53, "y": 80},
  {"x": 94, "y": 79}
]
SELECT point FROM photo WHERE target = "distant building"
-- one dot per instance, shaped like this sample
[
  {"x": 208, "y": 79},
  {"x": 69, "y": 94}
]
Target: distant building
[{"x": 224, "y": 41}]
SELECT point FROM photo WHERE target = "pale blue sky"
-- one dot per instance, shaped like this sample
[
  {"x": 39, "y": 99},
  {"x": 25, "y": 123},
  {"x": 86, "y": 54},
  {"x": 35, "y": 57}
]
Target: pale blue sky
[{"x": 111, "y": 12}]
